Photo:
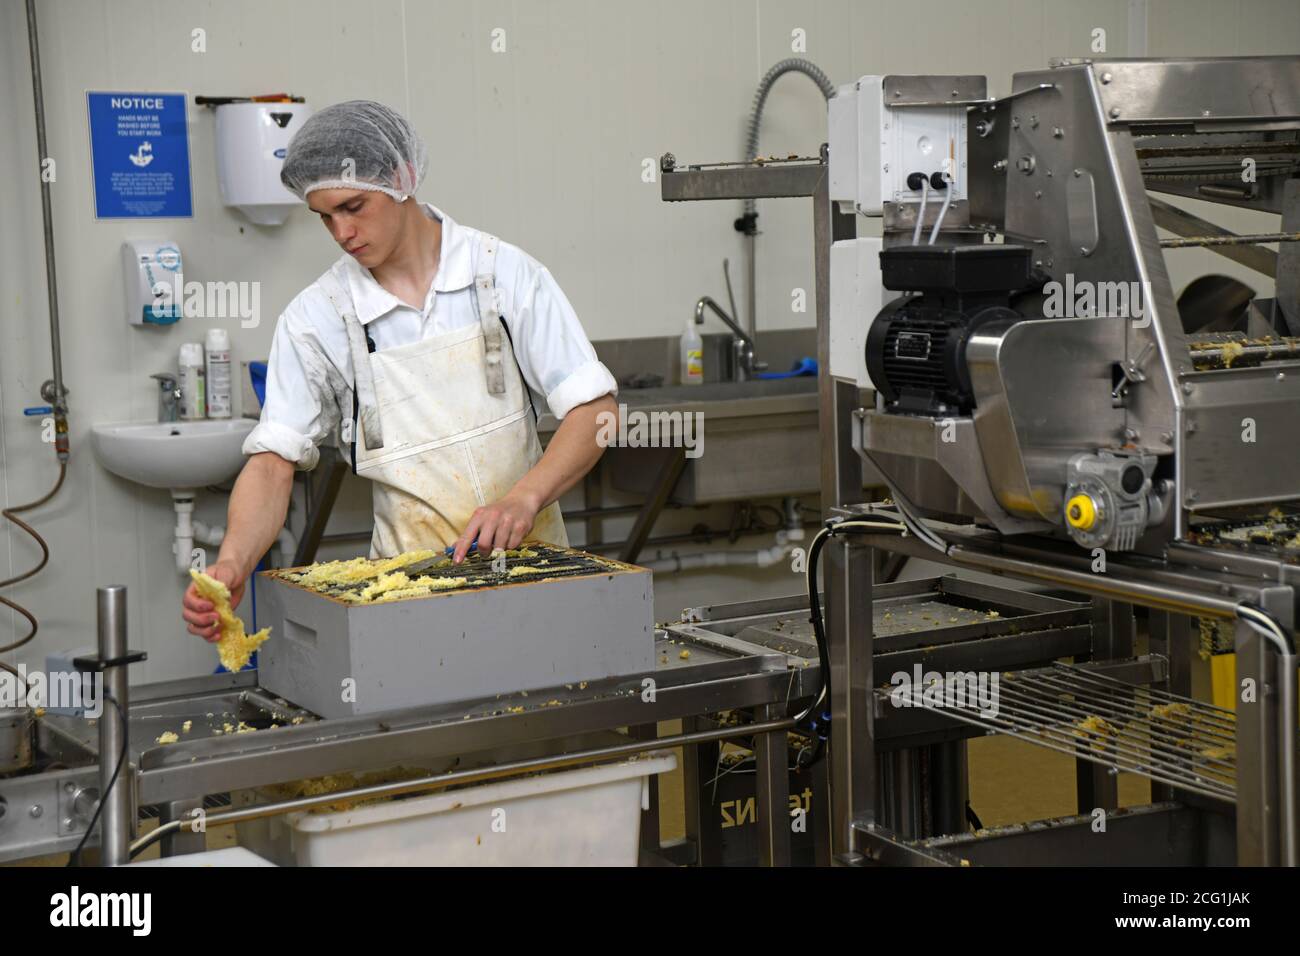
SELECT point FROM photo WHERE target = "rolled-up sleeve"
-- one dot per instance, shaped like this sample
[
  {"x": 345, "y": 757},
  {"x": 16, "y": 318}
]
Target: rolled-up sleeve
[
  {"x": 302, "y": 405},
  {"x": 554, "y": 353}
]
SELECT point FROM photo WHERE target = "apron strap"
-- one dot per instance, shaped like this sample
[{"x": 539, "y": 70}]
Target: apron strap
[
  {"x": 489, "y": 318},
  {"x": 367, "y": 403}
]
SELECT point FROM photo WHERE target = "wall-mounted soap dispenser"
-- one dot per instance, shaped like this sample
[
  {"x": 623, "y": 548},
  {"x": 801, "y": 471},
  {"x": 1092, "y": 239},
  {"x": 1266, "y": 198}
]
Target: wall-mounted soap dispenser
[{"x": 152, "y": 276}]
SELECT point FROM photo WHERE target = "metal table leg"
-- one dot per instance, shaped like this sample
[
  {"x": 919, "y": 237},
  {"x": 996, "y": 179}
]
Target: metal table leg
[
  {"x": 674, "y": 463},
  {"x": 650, "y": 816},
  {"x": 1258, "y": 806},
  {"x": 949, "y": 787},
  {"x": 702, "y": 827},
  {"x": 773, "y": 790},
  {"x": 847, "y": 580},
  {"x": 324, "y": 492},
  {"x": 1113, "y": 629},
  {"x": 1171, "y": 638}
]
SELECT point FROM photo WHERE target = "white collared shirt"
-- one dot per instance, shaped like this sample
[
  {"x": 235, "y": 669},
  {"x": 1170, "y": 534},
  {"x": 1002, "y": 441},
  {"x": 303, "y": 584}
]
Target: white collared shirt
[{"x": 309, "y": 373}]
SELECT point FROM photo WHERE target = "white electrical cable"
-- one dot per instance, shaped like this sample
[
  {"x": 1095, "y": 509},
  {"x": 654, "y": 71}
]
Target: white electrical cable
[
  {"x": 943, "y": 210},
  {"x": 1263, "y": 624},
  {"x": 911, "y": 521},
  {"x": 920, "y": 213}
]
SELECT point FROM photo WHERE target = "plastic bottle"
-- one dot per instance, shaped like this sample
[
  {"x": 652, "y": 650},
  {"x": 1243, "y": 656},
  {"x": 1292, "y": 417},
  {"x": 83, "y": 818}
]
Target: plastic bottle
[
  {"x": 692, "y": 355},
  {"x": 193, "y": 400},
  {"x": 218, "y": 383}
]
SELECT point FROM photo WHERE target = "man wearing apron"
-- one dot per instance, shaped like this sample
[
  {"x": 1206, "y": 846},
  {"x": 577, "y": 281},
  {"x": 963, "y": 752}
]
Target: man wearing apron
[{"x": 415, "y": 352}]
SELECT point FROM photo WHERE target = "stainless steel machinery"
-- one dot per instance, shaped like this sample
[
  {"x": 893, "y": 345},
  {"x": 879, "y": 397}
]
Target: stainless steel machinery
[
  {"x": 1043, "y": 410},
  {"x": 1071, "y": 401}
]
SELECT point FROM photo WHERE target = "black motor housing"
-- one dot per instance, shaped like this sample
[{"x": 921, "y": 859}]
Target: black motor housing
[{"x": 916, "y": 346}]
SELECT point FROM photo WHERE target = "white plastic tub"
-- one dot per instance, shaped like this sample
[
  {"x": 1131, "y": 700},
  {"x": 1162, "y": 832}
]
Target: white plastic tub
[
  {"x": 586, "y": 817},
  {"x": 226, "y": 856}
]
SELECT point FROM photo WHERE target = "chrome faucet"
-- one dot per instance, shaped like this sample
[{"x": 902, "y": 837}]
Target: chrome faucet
[
  {"x": 742, "y": 346},
  {"x": 169, "y": 396},
  {"x": 742, "y": 364}
]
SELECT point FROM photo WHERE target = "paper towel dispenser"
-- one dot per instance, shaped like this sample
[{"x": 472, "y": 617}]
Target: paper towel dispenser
[{"x": 252, "y": 139}]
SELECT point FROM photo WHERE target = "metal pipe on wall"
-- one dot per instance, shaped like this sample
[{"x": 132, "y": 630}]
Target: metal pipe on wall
[{"x": 59, "y": 400}]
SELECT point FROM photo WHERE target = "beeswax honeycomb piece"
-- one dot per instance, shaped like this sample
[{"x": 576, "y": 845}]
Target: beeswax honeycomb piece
[
  {"x": 357, "y": 569},
  {"x": 235, "y": 647}
]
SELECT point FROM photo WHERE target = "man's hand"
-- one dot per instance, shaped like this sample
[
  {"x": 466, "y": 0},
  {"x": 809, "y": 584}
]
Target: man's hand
[
  {"x": 199, "y": 614},
  {"x": 502, "y": 524}
]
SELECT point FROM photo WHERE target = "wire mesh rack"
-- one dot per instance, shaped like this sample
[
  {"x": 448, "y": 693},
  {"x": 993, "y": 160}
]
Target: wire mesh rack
[{"x": 1080, "y": 711}]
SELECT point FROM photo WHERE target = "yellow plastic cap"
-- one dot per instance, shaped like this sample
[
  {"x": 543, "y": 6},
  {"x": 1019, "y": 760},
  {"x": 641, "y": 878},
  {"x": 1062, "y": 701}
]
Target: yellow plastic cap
[{"x": 1080, "y": 512}]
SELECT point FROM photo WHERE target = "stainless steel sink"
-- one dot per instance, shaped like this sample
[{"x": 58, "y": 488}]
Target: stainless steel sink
[
  {"x": 720, "y": 391},
  {"x": 760, "y": 440}
]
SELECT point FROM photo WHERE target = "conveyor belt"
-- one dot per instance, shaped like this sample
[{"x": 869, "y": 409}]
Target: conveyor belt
[
  {"x": 1235, "y": 350},
  {"x": 1276, "y": 534}
]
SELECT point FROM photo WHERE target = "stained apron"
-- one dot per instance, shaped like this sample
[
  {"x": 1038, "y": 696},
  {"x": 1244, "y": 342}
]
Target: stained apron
[{"x": 444, "y": 425}]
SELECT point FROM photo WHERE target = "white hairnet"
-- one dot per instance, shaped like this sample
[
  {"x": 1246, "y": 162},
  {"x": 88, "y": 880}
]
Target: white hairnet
[{"x": 359, "y": 144}]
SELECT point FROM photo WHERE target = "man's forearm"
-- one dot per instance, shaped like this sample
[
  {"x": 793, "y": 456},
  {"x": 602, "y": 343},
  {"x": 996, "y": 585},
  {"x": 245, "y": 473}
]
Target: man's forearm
[
  {"x": 572, "y": 452},
  {"x": 258, "y": 505}
]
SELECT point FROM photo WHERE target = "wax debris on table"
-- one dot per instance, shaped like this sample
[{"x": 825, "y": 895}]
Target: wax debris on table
[
  {"x": 235, "y": 648},
  {"x": 357, "y": 569},
  {"x": 420, "y": 574},
  {"x": 392, "y": 587}
]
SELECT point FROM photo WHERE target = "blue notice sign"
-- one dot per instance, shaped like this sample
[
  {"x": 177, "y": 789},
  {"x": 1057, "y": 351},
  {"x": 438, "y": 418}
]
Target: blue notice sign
[{"x": 140, "y": 151}]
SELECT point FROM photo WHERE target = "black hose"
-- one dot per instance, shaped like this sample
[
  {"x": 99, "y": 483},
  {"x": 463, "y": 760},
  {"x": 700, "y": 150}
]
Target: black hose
[{"x": 819, "y": 722}]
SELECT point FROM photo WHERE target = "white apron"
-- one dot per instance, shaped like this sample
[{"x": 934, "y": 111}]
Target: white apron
[{"x": 443, "y": 425}]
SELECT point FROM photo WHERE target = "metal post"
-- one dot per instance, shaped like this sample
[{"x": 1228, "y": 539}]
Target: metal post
[
  {"x": 650, "y": 837},
  {"x": 773, "y": 790},
  {"x": 1259, "y": 820},
  {"x": 1171, "y": 638},
  {"x": 1112, "y": 637},
  {"x": 949, "y": 789},
  {"x": 116, "y": 822},
  {"x": 841, "y": 469},
  {"x": 698, "y": 766},
  {"x": 849, "y": 633},
  {"x": 821, "y": 815}
]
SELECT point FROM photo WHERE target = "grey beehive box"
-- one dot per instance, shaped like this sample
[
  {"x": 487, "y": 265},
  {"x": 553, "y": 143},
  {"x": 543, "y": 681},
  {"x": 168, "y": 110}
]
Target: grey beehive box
[{"x": 454, "y": 645}]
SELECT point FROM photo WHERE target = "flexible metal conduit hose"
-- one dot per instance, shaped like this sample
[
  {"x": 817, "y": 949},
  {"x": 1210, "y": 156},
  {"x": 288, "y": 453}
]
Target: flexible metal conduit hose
[{"x": 793, "y": 64}]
